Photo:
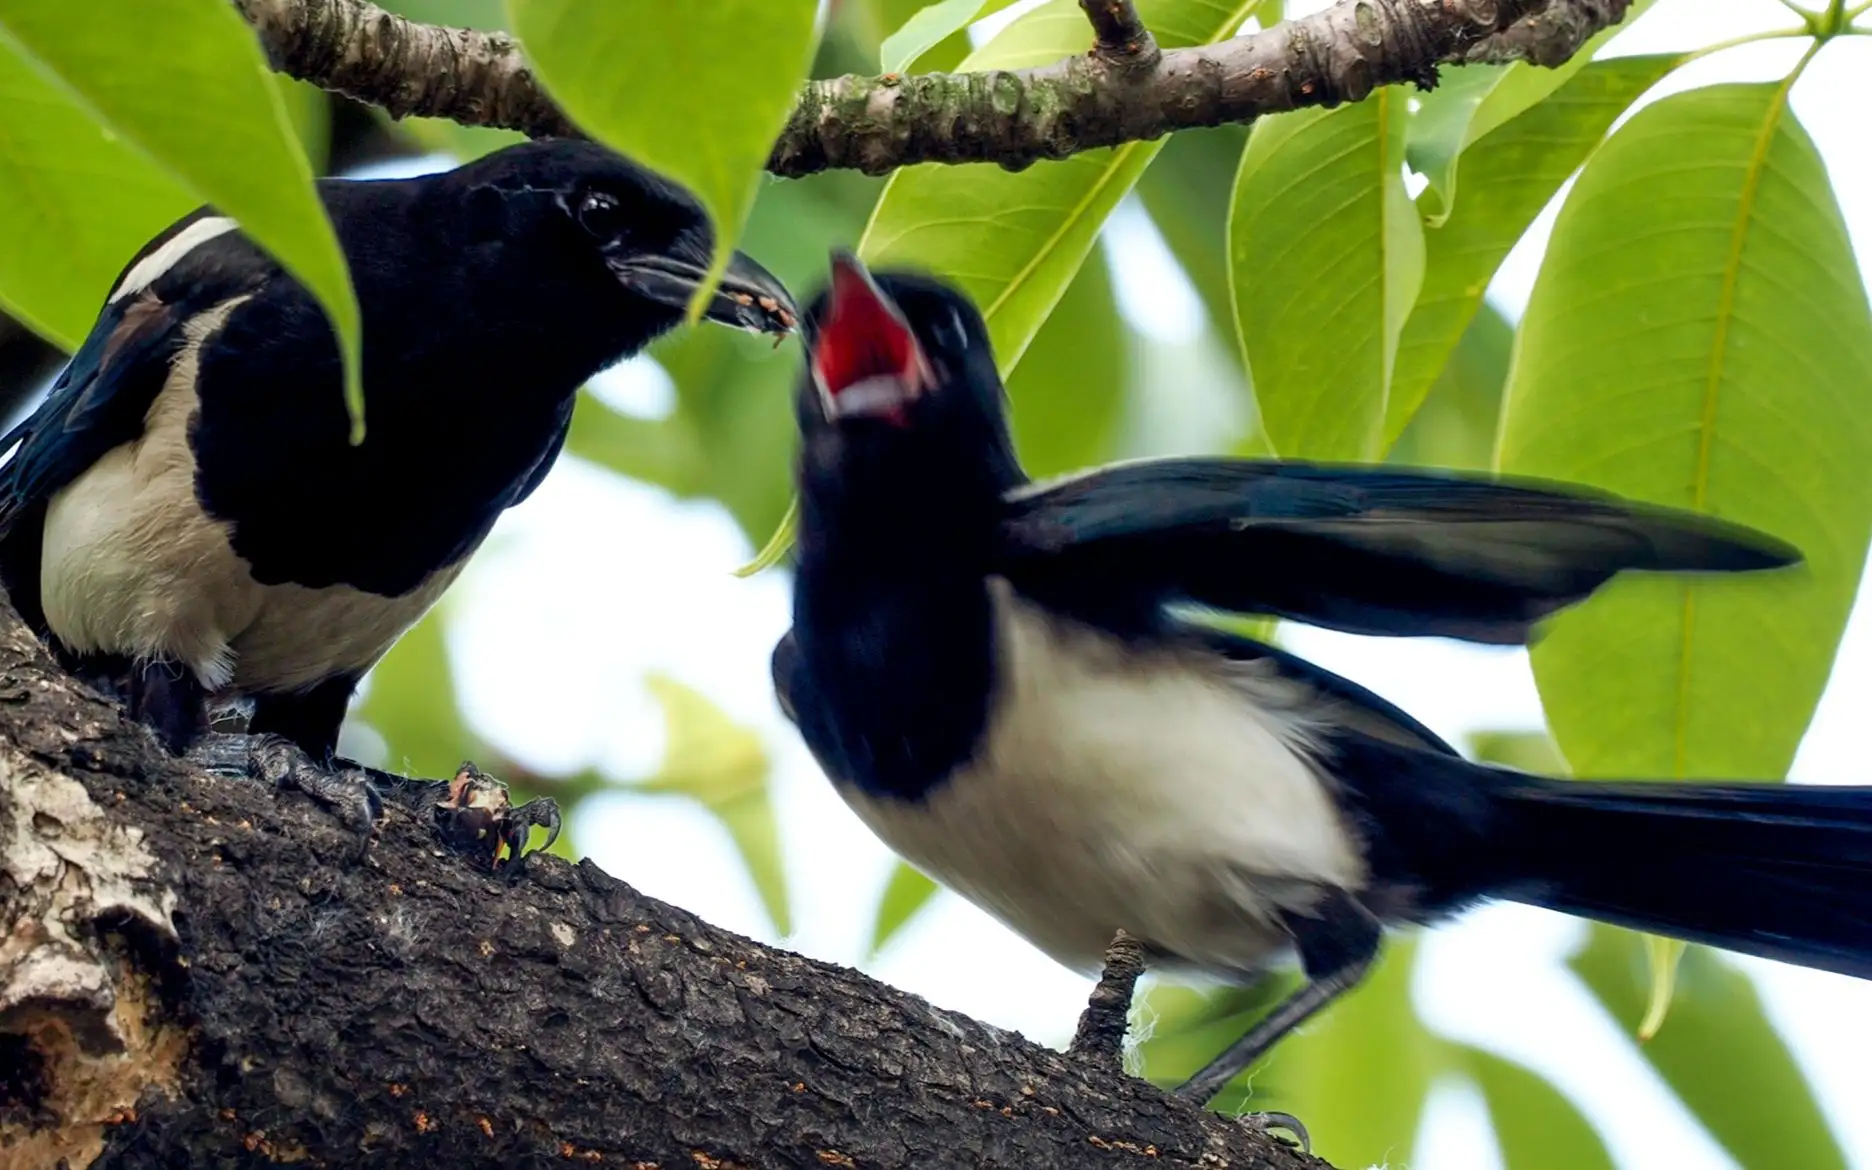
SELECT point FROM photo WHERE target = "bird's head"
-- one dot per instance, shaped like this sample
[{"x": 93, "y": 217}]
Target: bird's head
[
  {"x": 581, "y": 229},
  {"x": 901, "y": 397}
]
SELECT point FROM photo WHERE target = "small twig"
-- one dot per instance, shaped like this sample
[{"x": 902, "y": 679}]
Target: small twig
[
  {"x": 1121, "y": 36},
  {"x": 1102, "y": 1025}
]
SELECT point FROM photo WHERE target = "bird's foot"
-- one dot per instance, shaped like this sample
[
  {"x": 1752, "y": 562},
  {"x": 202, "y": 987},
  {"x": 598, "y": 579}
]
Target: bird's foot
[
  {"x": 1267, "y": 1123},
  {"x": 473, "y": 813},
  {"x": 476, "y": 817},
  {"x": 344, "y": 788}
]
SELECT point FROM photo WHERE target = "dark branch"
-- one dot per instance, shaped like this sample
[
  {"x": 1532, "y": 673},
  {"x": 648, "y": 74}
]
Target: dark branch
[
  {"x": 1011, "y": 117},
  {"x": 1102, "y": 1025},
  {"x": 1119, "y": 35},
  {"x": 198, "y": 974}
]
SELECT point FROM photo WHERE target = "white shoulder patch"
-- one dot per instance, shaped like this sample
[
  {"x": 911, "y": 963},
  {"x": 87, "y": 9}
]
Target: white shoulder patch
[{"x": 148, "y": 270}]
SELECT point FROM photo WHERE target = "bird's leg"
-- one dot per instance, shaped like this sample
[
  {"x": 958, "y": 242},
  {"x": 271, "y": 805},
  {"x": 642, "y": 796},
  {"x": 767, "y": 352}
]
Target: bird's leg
[
  {"x": 1337, "y": 940},
  {"x": 471, "y": 810},
  {"x": 344, "y": 788},
  {"x": 163, "y": 696}
]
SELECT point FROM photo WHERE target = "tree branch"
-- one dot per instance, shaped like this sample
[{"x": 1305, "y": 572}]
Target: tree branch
[
  {"x": 1012, "y": 117},
  {"x": 192, "y": 973},
  {"x": 1119, "y": 35}
]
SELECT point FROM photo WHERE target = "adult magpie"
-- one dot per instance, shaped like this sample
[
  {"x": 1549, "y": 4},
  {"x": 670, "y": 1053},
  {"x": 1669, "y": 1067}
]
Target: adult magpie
[
  {"x": 996, "y": 676},
  {"x": 184, "y": 517}
]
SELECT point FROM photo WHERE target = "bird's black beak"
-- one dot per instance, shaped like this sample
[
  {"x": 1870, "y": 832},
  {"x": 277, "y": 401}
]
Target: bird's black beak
[
  {"x": 749, "y": 297},
  {"x": 866, "y": 360}
]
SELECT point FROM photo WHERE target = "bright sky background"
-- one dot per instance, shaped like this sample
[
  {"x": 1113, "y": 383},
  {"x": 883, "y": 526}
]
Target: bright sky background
[{"x": 596, "y": 581}]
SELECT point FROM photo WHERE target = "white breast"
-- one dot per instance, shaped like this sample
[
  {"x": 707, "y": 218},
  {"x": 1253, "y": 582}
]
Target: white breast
[
  {"x": 1171, "y": 797},
  {"x": 130, "y": 564}
]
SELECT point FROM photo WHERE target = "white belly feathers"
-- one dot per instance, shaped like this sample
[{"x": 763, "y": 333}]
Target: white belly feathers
[
  {"x": 1173, "y": 801},
  {"x": 132, "y": 565}
]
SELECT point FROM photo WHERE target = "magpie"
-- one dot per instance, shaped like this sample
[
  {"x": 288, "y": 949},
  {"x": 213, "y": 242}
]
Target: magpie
[
  {"x": 1013, "y": 685},
  {"x": 185, "y": 520}
]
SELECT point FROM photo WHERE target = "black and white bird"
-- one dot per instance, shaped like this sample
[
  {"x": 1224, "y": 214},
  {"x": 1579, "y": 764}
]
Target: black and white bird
[
  {"x": 996, "y": 677},
  {"x": 185, "y": 519}
]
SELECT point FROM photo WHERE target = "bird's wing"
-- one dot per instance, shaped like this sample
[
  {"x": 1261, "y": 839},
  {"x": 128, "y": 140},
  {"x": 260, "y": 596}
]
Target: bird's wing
[
  {"x": 1366, "y": 550},
  {"x": 1322, "y": 694},
  {"x": 99, "y": 401}
]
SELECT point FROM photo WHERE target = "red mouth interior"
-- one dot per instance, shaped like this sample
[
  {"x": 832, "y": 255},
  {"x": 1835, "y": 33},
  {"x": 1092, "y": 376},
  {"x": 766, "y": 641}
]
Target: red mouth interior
[{"x": 862, "y": 336}]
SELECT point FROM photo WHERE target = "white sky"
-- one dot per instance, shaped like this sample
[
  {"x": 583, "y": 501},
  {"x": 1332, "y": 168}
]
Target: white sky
[{"x": 598, "y": 580}]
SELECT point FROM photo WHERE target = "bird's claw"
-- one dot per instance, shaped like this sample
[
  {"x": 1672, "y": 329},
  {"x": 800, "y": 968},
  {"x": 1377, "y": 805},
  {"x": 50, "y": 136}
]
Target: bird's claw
[
  {"x": 477, "y": 818},
  {"x": 1269, "y": 1122},
  {"x": 346, "y": 790}
]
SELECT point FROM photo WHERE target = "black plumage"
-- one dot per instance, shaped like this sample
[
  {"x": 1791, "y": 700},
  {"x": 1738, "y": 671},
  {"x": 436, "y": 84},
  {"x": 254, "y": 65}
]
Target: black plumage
[
  {"x": 184, "y": 515},
  {"x": 1003, "y": 679}
]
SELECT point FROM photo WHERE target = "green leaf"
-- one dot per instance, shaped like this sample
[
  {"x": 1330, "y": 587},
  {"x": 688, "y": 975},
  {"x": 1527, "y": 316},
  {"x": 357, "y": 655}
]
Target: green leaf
[
  {"x": 1513, "y": 171},
  {"x": 185, "y": 82},
  {"x": 697, "y": 92},
  {"x": 722, "y": 766},
  {"x": 1471, "y": 101},
  {"x": 1720, "y": 1055},
  {"x": 1327, "y": 255},
  {"x": 1456, "y": 425},
  {"x": 309, "y": 109},
  {"x": 1187, "y": 191},
  {"x": 907, "y": 892},
  {"x": 929, "y": 27},
  {"x": 75, "y": 204},
  {"x": 412, "y": 704},
  {"x": 1014, "y": 241},
  {"x": 1537, "y": 1127},
  {"x": 1068, "y": 392},
  {"x": 1530, "y": 751},
  {"x": 1179, "y": 1029},
  {"x": 1699, "y": 337}
]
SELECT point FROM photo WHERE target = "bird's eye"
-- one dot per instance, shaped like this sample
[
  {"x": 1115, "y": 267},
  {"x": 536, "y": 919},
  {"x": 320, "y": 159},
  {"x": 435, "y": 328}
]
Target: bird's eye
[{"x": 601, "y": 215}]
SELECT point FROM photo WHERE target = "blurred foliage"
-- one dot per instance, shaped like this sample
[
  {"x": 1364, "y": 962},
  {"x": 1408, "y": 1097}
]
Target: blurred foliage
[{"x": 1698, "y": 334}]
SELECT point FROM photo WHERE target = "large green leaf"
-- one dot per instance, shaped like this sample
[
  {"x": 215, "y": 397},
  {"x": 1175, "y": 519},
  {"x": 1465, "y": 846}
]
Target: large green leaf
[
  {"x": 185, "y": 82},
  {"x": 1699, "y": 336},
  {"x": 1187, "y": 191},
  {"x": 1721, "y": 1056},
  {"x": 1456, "y": 425},
  {"x": 697, "y": 92},
  {"x": 930, "y": 26},
  {"x": 1327, "y": 254},
  {"x": 1535, "y": 1124},
  {"x": 723, "y": 766},
  {"x": 1068, "y": 391},
  {"x": 1014, "y": 241},
  {"x": 1471, "y": 101},
  {"x": 1513, "y": 171},
  {"x": 75, "y": 204}
]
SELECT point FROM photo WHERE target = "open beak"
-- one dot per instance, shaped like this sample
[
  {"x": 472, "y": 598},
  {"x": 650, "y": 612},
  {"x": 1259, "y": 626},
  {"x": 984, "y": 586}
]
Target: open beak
[
  {"x": 749, "y": 297},
  {"x": 866, "y": 360}
]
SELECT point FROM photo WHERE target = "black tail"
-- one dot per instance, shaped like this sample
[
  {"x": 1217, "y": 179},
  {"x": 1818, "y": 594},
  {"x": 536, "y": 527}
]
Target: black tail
[{"x": 1783, "y": 871}]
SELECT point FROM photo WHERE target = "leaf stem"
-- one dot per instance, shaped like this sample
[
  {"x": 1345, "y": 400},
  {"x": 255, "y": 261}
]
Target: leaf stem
[{"x": 1779, "y": 34}]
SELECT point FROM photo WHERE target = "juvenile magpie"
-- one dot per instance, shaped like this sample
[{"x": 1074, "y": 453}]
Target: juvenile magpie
[
  {"x": 1000, "y": 679},
  {"x": 185, "y": 519}
]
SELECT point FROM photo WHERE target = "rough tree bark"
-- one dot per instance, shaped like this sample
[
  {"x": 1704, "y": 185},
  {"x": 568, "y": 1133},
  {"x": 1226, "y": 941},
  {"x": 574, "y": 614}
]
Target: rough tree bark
[
  {"x": 1011, "y": 117},
  {"x": 193, "y": 975}
]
